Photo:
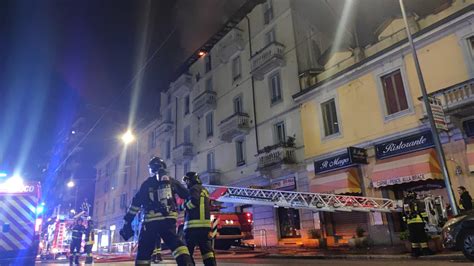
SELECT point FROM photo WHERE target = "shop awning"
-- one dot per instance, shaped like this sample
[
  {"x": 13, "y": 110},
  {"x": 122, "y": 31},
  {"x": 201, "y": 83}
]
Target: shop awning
[
  {"x": 412, "y": 167},
  {"x": 338, "y": 182},
  {"x": 470, "y": 156}
]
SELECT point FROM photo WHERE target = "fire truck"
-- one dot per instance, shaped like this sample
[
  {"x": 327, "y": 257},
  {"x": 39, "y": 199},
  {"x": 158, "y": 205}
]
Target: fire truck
[{"x": 19, "y": 234}]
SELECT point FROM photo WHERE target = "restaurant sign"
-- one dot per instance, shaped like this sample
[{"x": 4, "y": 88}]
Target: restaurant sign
[
  {"x": 351, "y": 157},
  {"x": 408, "y": 144}
]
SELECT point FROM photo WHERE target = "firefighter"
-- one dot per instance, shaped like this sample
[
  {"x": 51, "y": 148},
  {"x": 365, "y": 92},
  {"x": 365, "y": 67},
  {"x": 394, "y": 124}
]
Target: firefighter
[
  {"x": 197, "y": 223},
  {"x": 415, "y": 218},
  {"x": 89, "y": 241},
  {"x": 156, "y": 255},
  {"x": 156, "y": 198},
  {"x": 75, "y": 247}
]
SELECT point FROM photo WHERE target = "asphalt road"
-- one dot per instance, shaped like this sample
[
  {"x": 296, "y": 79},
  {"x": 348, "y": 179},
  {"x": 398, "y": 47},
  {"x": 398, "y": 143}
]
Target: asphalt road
[{"x": 288, "y": 262}]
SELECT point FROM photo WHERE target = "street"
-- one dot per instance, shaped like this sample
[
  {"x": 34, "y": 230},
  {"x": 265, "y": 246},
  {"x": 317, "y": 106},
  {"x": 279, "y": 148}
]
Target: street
[{"x": 274, "y": 261}]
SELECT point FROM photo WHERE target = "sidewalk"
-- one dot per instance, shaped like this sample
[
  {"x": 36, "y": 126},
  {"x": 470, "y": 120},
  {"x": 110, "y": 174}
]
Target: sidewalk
[{"x": 376, "y": 253}]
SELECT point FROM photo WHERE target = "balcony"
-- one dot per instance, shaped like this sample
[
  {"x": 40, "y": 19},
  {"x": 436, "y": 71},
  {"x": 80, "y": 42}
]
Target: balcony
[
  {"x": 234, "y": 126},
  {"x": 210, "y": 177},
  {"x": 165, "y": 129},
  {"x": 182, "y": 86},
  {"x": 276, "y": 156},
  {"x": 457, "y": 100},
  {"x": 182, "y": 152},
  {"x": 204, "y": 102},
  {"x": 267, "y": 59},
  {"x": 230, "y": 44}
]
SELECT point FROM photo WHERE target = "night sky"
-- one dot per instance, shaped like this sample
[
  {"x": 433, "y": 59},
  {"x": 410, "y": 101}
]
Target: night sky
[{"x": 60, "y": 60}]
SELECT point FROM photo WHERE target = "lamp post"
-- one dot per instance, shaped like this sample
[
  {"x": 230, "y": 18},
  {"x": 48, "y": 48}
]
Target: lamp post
[{"x": 434, "y": 131}]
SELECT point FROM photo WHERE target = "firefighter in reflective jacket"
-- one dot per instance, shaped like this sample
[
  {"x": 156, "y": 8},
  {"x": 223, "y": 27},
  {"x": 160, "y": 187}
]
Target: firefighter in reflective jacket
[
  {"x": 197, "y": 223},
  {"x": 75, "y": 247},
  {"x": 415, "y": 217},
  {"x": 89, "y": 242},
  {"x": 156, "y": 198}
]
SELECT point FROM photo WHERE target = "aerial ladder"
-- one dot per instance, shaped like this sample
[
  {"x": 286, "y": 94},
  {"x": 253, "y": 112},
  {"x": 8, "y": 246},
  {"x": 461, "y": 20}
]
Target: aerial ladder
[{"x": 302, "y": 200}]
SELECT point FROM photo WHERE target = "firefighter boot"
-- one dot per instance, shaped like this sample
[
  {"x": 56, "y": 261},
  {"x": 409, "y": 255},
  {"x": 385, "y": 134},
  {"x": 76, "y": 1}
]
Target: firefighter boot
[
  {"x": 415, "y": 252},
  {"x": 425, "y": 250},
  {"x": 71, "y": 259},
  {"x": 76, "y": 260},
  {"x": 156, "y": 258},
  {"x": 89, "y": 259},
  {"x": 184, "y": 260}
]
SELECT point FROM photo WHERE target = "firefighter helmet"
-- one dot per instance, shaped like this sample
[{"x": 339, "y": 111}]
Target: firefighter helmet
[
  {"x": 157, "y": 166},
  {"x": 192, "y": 177}
]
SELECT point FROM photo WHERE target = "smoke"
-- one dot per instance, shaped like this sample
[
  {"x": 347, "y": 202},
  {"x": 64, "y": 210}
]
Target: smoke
[{"x": 198, "y": 20}]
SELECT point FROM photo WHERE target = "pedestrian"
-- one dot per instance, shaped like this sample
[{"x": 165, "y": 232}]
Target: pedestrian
[
  {"x": 465, "y": 200},
  {"x": 89, "y": 239},
  {"x": 415, "y": 218},
  {"x": 76, "y": 239},
  {"x": 156, "y": 198},
  {"x": 197, "y": 219}
]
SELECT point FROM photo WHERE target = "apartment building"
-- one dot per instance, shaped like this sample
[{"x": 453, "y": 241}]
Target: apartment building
[{"x": 366, "y": 102}]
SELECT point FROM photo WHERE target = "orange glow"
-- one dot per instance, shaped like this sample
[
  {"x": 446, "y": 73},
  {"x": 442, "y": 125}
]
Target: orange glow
[{"x": 201, "y": 53}]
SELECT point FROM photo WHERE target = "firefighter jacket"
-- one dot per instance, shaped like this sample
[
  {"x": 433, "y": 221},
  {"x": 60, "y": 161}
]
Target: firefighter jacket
[
  {"x": 89, "y": 235},
  {"x": 156, "y": 199},
  {"x": 77, "y": 231},
  {"x": 197, "y": 206},
  {"x": 413, "y": 212}
]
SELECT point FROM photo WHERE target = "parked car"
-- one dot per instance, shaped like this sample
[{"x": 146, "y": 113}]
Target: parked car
[{"x": 458, "y": 234}]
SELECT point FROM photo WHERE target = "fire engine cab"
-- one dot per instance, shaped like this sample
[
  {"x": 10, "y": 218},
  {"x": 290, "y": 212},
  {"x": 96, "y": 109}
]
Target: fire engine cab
[{"x": 19, "y": 226}]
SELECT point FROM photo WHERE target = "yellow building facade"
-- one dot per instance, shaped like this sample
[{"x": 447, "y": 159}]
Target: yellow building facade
[{"x": 373, "y": 104}]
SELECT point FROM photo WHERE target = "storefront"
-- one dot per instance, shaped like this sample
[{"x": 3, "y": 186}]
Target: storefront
[
  {"x": 289, "y": 225},
  {"x": 340, "y": 174}
]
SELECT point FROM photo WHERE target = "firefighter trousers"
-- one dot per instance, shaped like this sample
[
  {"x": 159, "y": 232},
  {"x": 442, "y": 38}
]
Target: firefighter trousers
[
  {"x": 166, "y": 229},
  {"x": 418, "y": 238},
  {"x": 200, "y": 237},
  {"x": 88, "y": 251},
  {"x": 74, "y": 250}
]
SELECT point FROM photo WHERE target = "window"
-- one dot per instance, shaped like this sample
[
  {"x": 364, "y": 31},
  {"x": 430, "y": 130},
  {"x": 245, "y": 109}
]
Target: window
[
  {"x": 394, "y": 92},
  {"x": 168, "y": 149},
  {"x": 123, "y": 201},
  {"x": 289, "y": 220},
  {"x": 274, "y": 82},
  {"x": 210, "y": 124},
  {"x": 113, "y": 205},
  {"x": 186, "y": 105},
  {"x": 105, "y": 207},
  {"x": 208, "y": 63},
  {"x": 169, "y": 98},
  {"x": 151, "y": 140},
  {"x": 108, "y": 169},
  {"x": 187, "y": 134},
  {"x": 106, "y": 186},
  {"x": 329, "y": 113},
  {"x": 238, "y": 105},
  {"x": 125, "y": 177},
  {"x": 210, "y": 161},
  {"x": 186, "y": 167},
  {"x": 236, "y": 68},
  {"x": 270, "y": 37},
  {"x": 168, "y": 115},
  {"x": 267, "y": 12},
  {"x": 470, "y": 45},
  {"x": 280, "y": 134},
  {"x": 209, "y": 84},
  {"x": 240, "y": 153}
]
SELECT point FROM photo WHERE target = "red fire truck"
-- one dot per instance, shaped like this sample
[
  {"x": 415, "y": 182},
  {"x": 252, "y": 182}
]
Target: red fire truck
[{"x": 19, "y": 226}]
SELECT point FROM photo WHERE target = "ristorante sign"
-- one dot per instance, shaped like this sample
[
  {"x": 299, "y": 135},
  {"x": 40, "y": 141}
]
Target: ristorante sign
[
  {"x": 400, "y": 146},
  {"x": 351, "y": 157}
]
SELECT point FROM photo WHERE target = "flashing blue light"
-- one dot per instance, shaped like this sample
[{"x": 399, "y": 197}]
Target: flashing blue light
[
  {"x": 39, "y": 210},
  {"x": 42, "y": 203},
  {"x": 2, "y": 174}
]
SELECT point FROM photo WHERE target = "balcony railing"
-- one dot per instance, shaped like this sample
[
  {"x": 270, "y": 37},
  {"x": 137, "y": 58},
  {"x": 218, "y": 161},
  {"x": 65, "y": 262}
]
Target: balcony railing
[
  {"x": 182, "y": 152},
  {"x": 230, "y": 44},
  {"x": 165, "y": 128},
  {"x": 182, "y": 85},
  {"x": 234, "y": 126},
  {"x": 457, "y": 96},
  {"x": 204, "y": 102},
  {"x": 210, "y": 177},
  {"x": 267, "y": 59},
  {"x": 276, "y": 156}
]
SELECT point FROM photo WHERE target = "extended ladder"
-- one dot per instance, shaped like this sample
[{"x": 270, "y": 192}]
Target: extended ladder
[{"x": 302, "y": 200}]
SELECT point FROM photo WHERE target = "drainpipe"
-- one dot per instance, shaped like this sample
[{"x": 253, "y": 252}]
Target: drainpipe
[
  {"x": 253, "y": 87},
  {"x": 176, "y": 132}
]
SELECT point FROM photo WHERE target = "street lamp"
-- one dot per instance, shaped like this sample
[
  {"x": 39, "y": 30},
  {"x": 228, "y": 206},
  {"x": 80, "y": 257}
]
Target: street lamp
[
  {"x": 128, "y": 137},
  {"x": 71, "y": 184}
]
